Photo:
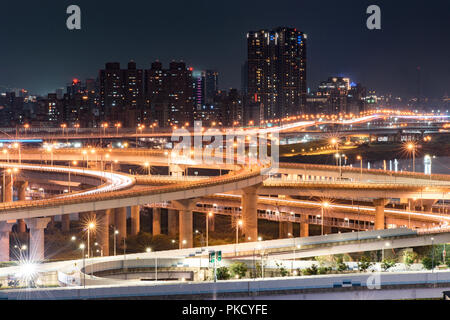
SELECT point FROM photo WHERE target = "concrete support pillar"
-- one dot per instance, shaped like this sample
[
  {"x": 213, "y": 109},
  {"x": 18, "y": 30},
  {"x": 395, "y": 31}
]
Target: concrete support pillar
[
  {"x": 37, "y": 227},
  {"x": 412, "y": 204},
  {"x": 285, "y": 229},
  {"x": 22, "y": 190},
  {"x": 156, "y": 221},
  {"x": 185, "y": 207},
  {"x": 7, "y": 187},
  {"x": 250, "y": 212},
  {"x": 5, "y": 229},
  {"x": 327, "y": 230},
  {"x": 23, "y": 186},
  {"x": 172, "y": 222},
  {"x": 212, "y": 223},
  {"x": 304, "y": 230},
  {"x": 121, "y": 224},
  {"x": 135, "y": 220},
  {"x": 379, "y": 214},
  {"x": 103, "y": 230},
  {"x": 65, "y": 223}
]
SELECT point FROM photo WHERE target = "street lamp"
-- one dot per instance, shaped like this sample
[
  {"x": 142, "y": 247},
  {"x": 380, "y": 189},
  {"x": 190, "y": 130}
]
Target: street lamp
[
  {"x": 85, "y": 153},
  {"x": 412, "y": 149},
  {"x": 240, "y": 223},
  {"x": 360, "y": 159},
  {"x": 324, "y": 206},
  {"x": 17, "y": 146},
  {"x": 208, "y": 216},
  {"x": 101, "y": 248},
  {"x": 292, "y": 264},
  {"x": 147, "y": 165},
  {"x": 82, "y": 247},
  {"x": 63, "y": 126},
  {"x": 116, "y": 232},
  {"x": 50, "y": 150},
  {"x": 91, "y": 226},
  {"x": 117, "y": 125},
  {"x": 432, "y": 260}
]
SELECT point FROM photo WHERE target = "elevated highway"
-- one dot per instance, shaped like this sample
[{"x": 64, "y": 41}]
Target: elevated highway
[{"x": 118, "y": 191}]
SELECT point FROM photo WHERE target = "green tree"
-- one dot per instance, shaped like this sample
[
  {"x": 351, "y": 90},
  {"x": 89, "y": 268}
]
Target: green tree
[
  {"x": 427, "y": 263},
  {"x": 340, "y": 265},
  {"x": 409, "y": 257},
  {"x": 313, "y": 270},
  {"x": 364, "y": 264},
  {"x": 283, "y": 271},
  {"x": 223, "y": 273},
  {"x": 238, "y": 269},
  {"x": 323, "y": 270},
  {"x": 387, "y": 264}
]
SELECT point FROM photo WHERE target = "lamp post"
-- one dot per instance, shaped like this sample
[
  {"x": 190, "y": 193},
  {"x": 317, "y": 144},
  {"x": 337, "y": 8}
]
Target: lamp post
[
  {"x": 101, "y": 248},
  {"x": 82, "y": 247},
  {"x": 209, "y": 215},
  {"x": 147, "y": 166},
  {"x": 17, "y": 146},
  {"x": 432, "y": 259},
  {"x": 90, "y": 227},
  {"x": 324, "y": 205},
  {"x": 85, "y": 153},
  {"x": 116, "y": 232},
  {"x": 412, "y": 148},
  {"x": 117, "y": 125},
  {"x": 292, "y": 262},
  {"x": 361, "y": 160},
  {"x": 239, "y": 224},
  {"x": 387, "y": 244}
]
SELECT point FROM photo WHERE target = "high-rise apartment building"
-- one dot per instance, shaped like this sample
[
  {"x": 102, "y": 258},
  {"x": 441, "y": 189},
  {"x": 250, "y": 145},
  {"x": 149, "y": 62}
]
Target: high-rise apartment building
[
  {"x": 111, "y": 92},
  {"x": 169, "y": 93},
  {"x": 341, "y": 96},
  {"x": 276, "y": 68}
]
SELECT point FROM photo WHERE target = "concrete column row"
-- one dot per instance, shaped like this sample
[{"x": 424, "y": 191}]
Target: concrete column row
[
  {"x": 23, "y": 186},
  {"x": 250, "y": 212},
  {"x": 285, "y": 229}
]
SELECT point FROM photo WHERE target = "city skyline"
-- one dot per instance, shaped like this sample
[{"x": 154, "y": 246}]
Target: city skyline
[{"x": 203, "y": 47}]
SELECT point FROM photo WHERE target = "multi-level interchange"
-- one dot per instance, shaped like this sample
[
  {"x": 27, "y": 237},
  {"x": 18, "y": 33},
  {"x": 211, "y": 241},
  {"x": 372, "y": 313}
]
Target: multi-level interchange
[{"x": 245, "y": 191}]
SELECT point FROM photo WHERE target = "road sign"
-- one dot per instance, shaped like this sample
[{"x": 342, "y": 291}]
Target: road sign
[{"x": 212, "y": 256}]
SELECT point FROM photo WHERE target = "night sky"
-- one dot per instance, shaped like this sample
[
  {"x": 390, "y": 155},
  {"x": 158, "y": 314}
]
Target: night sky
[{"x": 39, "y": 53}]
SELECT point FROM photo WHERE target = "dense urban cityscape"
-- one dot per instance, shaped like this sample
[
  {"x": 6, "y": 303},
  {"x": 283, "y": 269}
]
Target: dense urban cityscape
[
  {"x": 152, "y": 180},
  {"x": 274, "y": 86}
]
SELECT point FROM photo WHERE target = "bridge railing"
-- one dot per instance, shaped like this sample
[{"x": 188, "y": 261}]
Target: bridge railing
[
  {"x": 336, "y": 169},
  {"x": 97, "y": 196}
]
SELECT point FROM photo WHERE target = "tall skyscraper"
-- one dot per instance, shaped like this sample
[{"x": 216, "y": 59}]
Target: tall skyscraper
[
  {"x": 211, "y": 85},
  {"x": 169, "y": 93},
  {"x": 111, "y": 91},
  {"x": 277, "y": 72},
  {"x": 121, "y": 93},
  {"x": 133, "y": 100},
  {"x": 199, "y": 87}
]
